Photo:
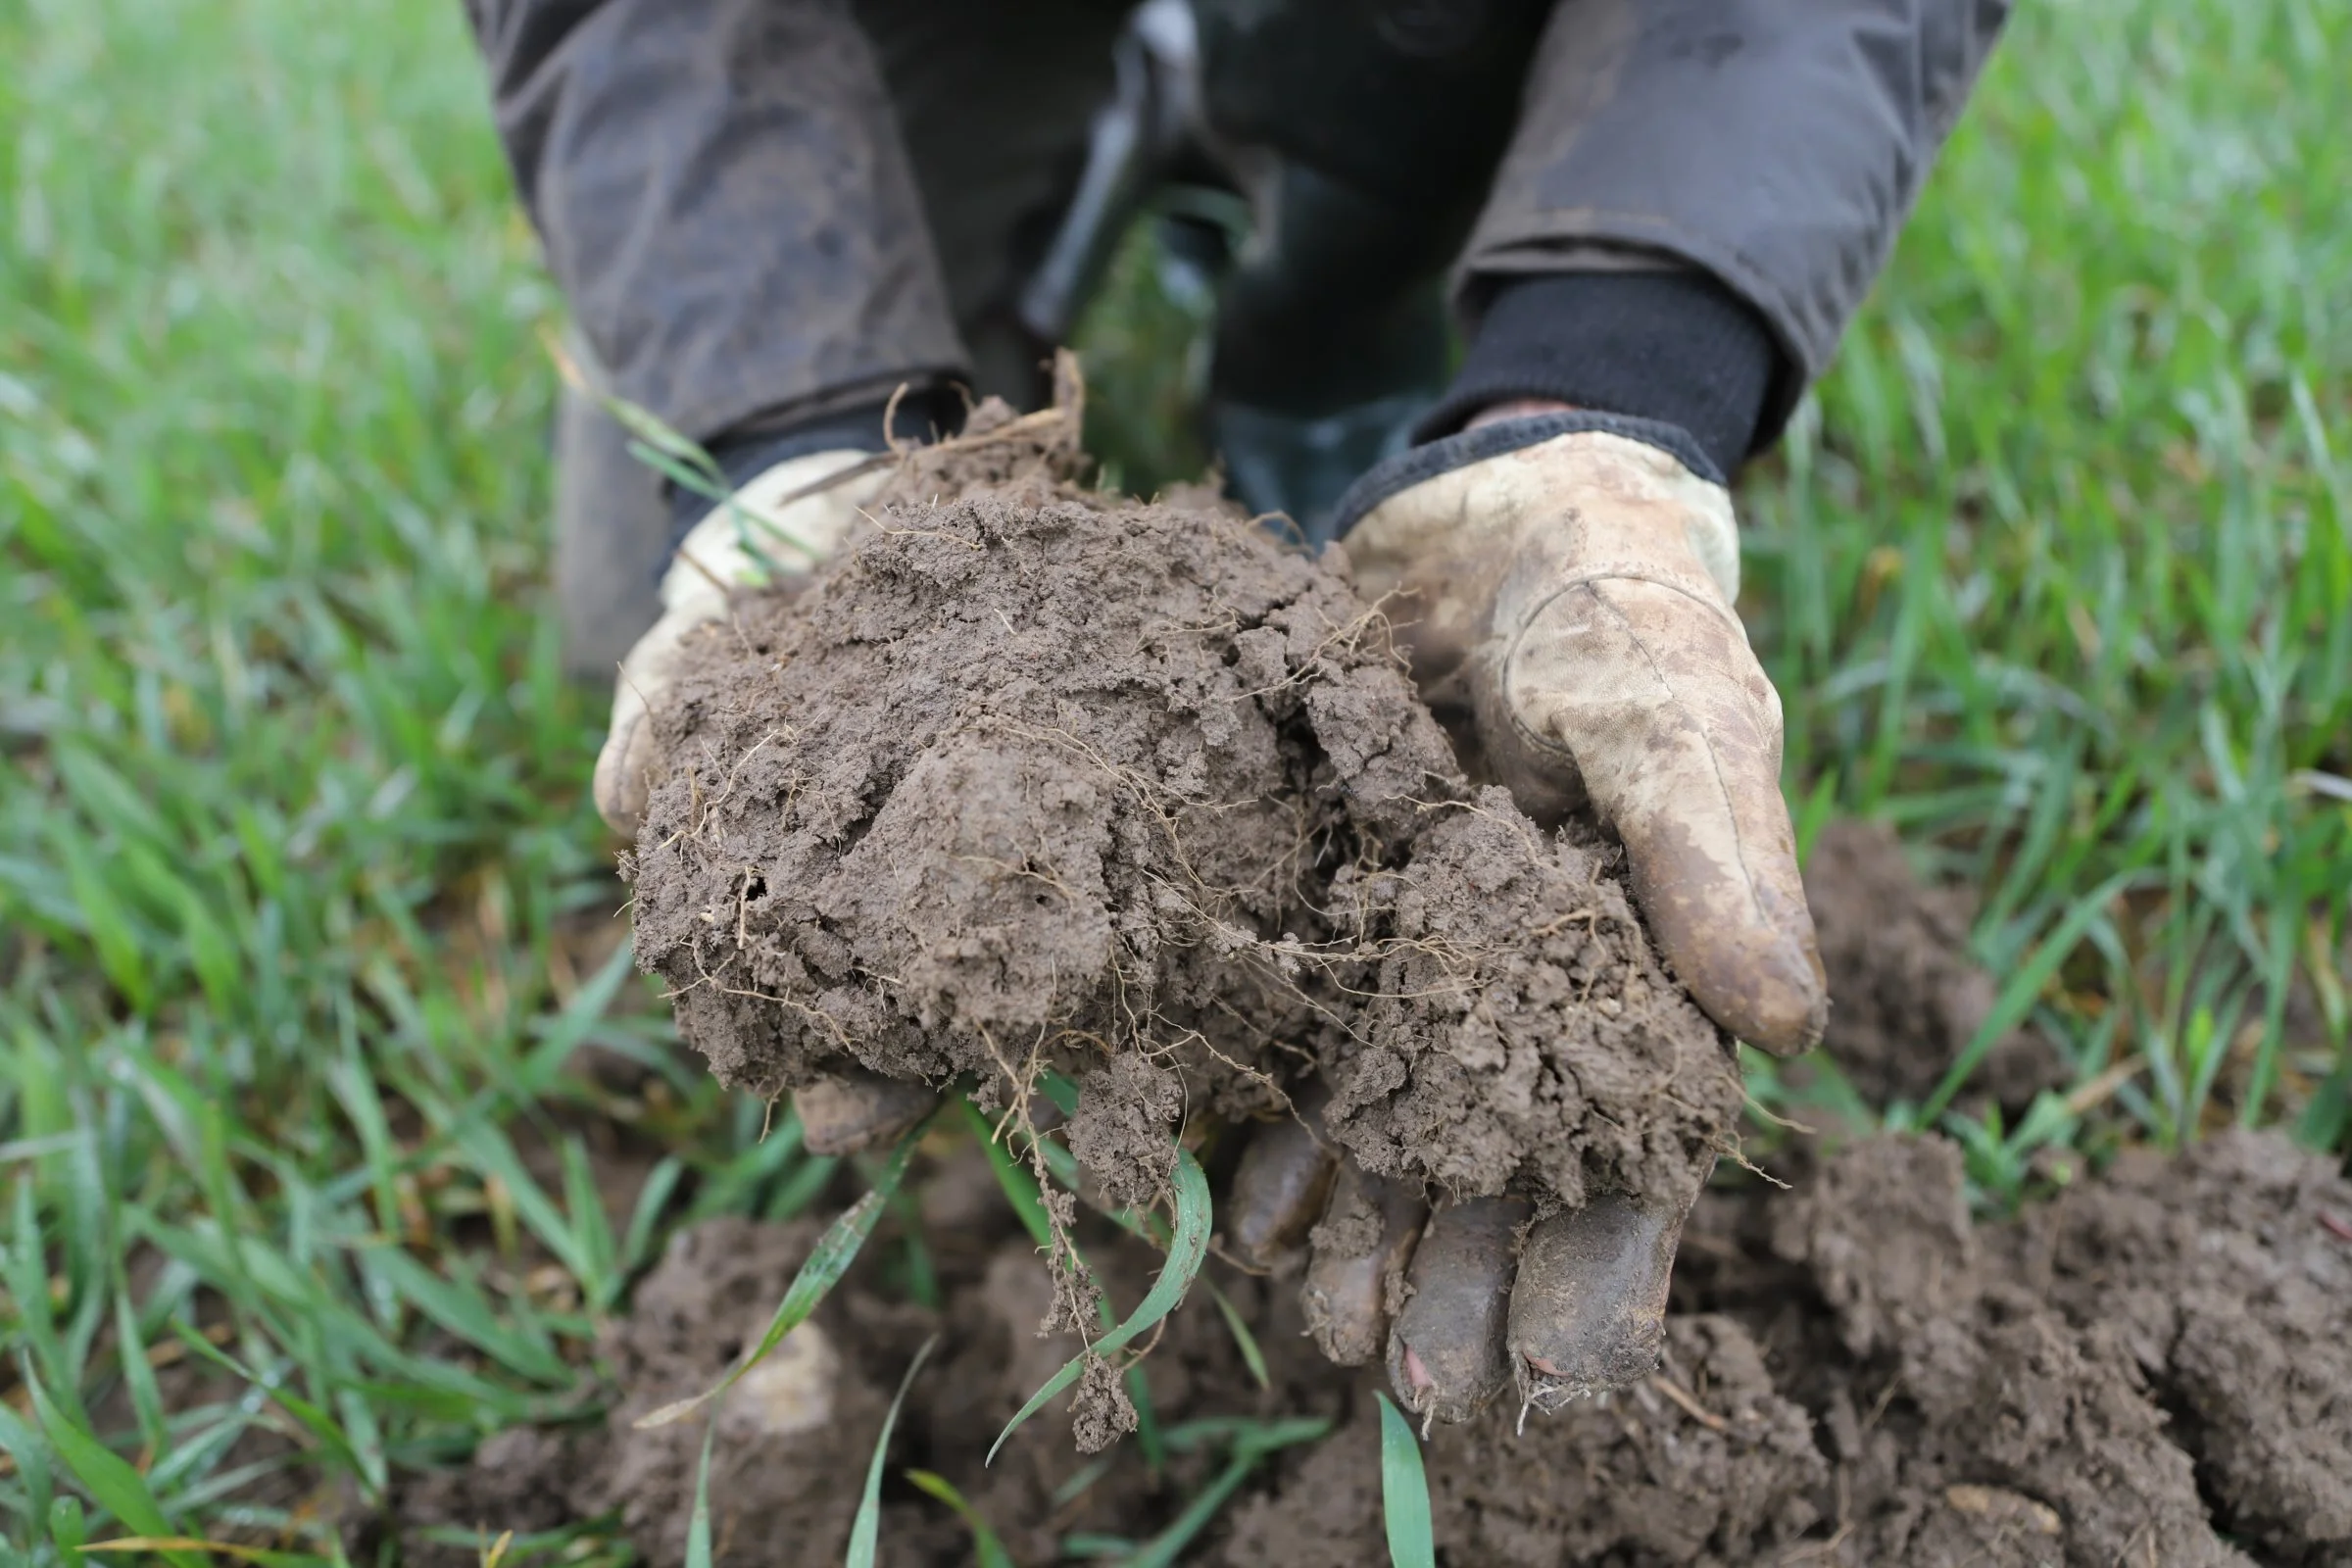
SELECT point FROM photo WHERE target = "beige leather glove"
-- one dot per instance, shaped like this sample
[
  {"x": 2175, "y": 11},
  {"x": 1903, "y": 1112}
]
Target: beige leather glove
[
  {"x": 783, "y": 524},
  {"x": 1574, "y": 595}
]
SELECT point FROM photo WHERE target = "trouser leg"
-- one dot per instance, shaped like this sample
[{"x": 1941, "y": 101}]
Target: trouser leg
[
  {"x": 612, "y": 531},
  {"x": 765, "y": 212},
  {"x": 994, "y": 102},
  {"x": 1365, "y": 136}
]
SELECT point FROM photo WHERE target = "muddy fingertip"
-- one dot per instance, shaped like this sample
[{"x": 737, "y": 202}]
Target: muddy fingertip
[
  {"x": 1447, "y": 1356},
  {"x": 1589, "y": 1310}
]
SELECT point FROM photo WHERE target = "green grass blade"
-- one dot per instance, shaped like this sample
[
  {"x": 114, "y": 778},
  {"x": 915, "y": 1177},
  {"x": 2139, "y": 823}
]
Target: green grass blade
[
  {"x": 866, "y": 1529},
  {"x": 1251, "y": 1355},
  {"x": 1161, "y": 1549},
  {"x": 1404, "y": 1491},
  {"x": 24, "y": 1447},
  {"x": 69, "y": 1526},
  {"x": 831, "y": 1258},
  {"x": 2023, "y": 989},
  {"x": 1253, "y": 1442},
  {"x": 120, "y": 1490},
  {"x": 1186, "y": 1251},
  {"x": 1059, "y": 1089},
  {"x": 1020, "y": 1187},
  {"x": 802, "y": 1188},
  {"x": 987, "y": 1550},
  {"x": 661, "y": 1184},
  {"x": 464, "y": 1312},
  {"x": 1021, "y": 1190},
  {"x": 698, "y": 1525},
  {"x": 562, "y": 1035},
  {"x": 176, "y": 1546}
]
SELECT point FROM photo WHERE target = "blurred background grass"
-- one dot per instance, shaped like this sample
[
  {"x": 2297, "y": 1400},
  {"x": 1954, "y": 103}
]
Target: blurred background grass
[{"x": 303, "y": 911}]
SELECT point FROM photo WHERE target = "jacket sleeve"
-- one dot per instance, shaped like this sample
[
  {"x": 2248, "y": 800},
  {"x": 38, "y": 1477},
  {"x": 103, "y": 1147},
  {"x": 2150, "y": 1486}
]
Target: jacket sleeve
[
  {"x": 725, "y": 200},
  {"x": 1775, "y": 145}
]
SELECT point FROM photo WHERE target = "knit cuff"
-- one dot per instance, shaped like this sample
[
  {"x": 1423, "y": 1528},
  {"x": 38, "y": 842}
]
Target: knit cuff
[{"x": 1674, "y": 347}]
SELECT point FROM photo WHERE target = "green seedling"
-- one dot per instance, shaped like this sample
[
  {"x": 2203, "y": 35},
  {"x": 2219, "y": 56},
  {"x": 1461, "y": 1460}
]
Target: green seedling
[
  {"x": 865, "y": 1529},
  {"x": 835, "y": 1251},
  {"x": 1251, "y": 1442},
  {"x": 697, "y": 1524},
  {"x": 1187, "y": 1250},
  {"x": 1404, "y": 1491},
  {"x": 987, "y": 1550}
]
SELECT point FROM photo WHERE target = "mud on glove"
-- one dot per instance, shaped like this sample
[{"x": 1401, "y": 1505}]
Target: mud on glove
[{"x": 1565, "y": 585}]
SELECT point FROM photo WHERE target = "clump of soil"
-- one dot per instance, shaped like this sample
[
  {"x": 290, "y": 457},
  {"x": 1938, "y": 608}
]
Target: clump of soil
[
  {"x": 2226, "y": 1278},
  {"x": 1906, "y": 999},
  {"x": 1035, "y": 776},
  {"x": 2151, "y": 1370}
]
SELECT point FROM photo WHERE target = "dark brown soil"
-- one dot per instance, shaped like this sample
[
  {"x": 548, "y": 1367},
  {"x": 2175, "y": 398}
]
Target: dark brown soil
[
  {"x": 796, "y": 1436},
  {"x": 2152, "y": 1369},
  {"x": 1038, "y": 777},
  {"x": 1035, "y": 776},
  {"x": 1904, "y": 996}
]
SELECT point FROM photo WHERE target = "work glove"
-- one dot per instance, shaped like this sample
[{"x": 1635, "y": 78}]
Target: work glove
[
  {"x": 1565, "y": 586},
  {"x": 780, "y": 527}
]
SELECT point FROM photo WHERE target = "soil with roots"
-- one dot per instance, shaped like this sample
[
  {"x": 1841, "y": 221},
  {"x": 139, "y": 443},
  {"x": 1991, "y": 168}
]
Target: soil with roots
[{"x": 1033, "y": 776}]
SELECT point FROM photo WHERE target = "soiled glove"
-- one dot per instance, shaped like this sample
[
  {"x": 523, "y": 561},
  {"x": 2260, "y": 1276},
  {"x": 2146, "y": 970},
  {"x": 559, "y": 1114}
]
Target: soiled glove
[
  {"x": 1568, "y": 585},
  {"x": 1565, "y": 584},
  {"x": 783, "y": 524}
]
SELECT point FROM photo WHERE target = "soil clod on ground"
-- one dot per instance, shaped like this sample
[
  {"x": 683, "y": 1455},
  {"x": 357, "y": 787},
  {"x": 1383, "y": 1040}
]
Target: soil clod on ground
[
  {"x": 2151, "y": 1369},
  {"x": 1906, "y": 999}
]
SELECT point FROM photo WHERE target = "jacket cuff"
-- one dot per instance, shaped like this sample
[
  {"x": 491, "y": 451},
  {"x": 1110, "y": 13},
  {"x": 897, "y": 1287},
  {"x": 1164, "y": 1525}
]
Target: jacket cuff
[{"x": 1674, "y": 348}]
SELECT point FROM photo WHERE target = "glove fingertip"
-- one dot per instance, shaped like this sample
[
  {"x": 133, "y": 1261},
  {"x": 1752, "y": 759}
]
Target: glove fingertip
[
  {"x": 619, "y": 785},
  {"x": 1759, "y": 978}
]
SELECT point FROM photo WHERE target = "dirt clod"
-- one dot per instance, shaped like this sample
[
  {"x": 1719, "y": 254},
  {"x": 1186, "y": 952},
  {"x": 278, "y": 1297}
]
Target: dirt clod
[
  {"x": 1033, "y": 776},
  {"x": 2149, "y": 1370}
]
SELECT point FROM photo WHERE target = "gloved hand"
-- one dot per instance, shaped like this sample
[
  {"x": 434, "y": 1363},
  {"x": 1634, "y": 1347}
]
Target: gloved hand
[
  {"x": 1567, "y": 590},
  {"x": 1565, "y": 585},
  {"x": 783, "y": 524},
  {"x": 1570, "y": 588},
  {"x": 1461, "y": 1306}
]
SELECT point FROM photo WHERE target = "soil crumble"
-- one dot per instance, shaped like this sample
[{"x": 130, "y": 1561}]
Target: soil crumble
[
  {"x": 1032, "y": 776},
  {"x": 1904, "y": 996},
  {"x": 2150, "y": 1370},
  {"x": 795, "y": 1437}
]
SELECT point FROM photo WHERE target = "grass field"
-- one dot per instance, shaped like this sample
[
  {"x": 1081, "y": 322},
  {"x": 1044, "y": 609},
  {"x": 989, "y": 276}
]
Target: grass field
[{"x": 302, "y": 908}]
